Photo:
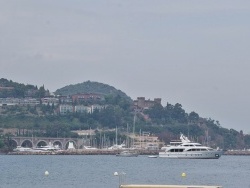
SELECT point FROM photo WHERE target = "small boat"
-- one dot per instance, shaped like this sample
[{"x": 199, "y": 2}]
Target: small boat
[
  {"x": 89, "y": 148},
  {"x": 152, "y": 156},
  {"x": 116, "y": 146},
  {"x": 127, "y": 154},
  {"x": 22, "y": 149}
]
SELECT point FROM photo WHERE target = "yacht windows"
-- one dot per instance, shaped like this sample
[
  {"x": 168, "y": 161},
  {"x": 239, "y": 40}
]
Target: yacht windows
[
  {"x": 191, "y": 145},
  {"x": 196, "y": 149},
  {"x": 176, "y": 150}
]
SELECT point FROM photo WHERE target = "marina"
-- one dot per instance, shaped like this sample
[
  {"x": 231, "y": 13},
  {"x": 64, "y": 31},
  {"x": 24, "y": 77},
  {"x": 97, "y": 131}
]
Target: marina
[{"x": 150, "y": 154}]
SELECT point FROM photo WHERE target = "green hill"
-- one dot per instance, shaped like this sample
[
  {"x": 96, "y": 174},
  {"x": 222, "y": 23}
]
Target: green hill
[
  {"x": 91, "y": 87},
  {"x": 8, "y": 88},
  {"x": 166, "y": 122}
]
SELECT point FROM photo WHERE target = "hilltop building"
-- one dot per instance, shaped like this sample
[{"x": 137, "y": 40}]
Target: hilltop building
[
  {"x": 86, "y": 97},
  {"x": 65, "y": 99},
  {"x": 66, "y": 108},
  {"x": 17, "y": 101},
  {"x": 142, "y": 104},
  {"x": 82, "y": 109},
  {"x": 50, "y": 101}
]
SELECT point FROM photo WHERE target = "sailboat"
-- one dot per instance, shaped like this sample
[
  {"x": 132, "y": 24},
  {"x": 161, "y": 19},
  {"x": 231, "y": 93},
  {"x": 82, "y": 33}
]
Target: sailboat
[{"x": 117, "y": 146}]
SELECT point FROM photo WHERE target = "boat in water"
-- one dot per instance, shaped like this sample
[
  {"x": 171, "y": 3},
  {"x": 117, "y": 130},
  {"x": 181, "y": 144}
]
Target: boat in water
[
  {"x": 127, "y": 154},
  {"x": 152, "y": 156},
  {"x": 89, "y": 148},
  {"x": 185, "y": 149}
]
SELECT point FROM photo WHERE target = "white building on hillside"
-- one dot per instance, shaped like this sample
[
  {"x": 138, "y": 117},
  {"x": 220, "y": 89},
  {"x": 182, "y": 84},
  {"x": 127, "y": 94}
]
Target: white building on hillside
[
  {"x": 82, "y": 109},
  {"x": 50, "y": 101},
  {"x": 64, "y": 109}
]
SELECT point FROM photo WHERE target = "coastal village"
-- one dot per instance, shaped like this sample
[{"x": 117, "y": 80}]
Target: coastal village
[
  {"x": 143, "y": 141},
  {"x": 72, "y": 104}
]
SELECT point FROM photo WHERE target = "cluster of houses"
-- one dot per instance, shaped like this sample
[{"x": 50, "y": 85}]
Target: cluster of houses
[
  {"x": 66, "y": 104},
  {"x": 72, "y": 104},
  {"x": 19, "y": 101},
  {"x": 75, "y": 104},
  {"x": 66, "y": 108}
]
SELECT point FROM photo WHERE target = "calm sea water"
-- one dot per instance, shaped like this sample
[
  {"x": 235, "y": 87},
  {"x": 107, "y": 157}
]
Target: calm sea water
[{"x": 98, "y": 171}]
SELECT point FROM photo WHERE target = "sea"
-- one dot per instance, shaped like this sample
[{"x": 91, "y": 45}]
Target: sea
[{"x": 97, "y": 171}]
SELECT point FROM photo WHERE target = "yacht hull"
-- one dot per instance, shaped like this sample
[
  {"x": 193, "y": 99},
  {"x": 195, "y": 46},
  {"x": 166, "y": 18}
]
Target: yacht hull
[{"x": 192, "y": 155}]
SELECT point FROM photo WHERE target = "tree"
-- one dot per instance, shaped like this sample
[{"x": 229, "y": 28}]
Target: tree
[
  {"x": 156, "y": 112},
  {"x": 193, "y": 117},
  {"x": 179, "y": 114}
]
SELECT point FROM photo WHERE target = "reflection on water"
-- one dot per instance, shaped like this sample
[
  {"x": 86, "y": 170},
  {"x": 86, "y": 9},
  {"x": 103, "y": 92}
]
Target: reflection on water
[{"x": 98, "y": 171}]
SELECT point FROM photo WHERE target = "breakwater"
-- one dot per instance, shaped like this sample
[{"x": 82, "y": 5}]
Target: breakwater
[
  {"x": 237, "y": 152},
  {"x": 108, "y": 152},
  {"x": 81, "y": 152}
]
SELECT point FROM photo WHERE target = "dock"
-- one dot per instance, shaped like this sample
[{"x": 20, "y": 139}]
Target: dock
[
  {"x": 110, "y": 152},
  {"x": 237, "y": 152},
  {"x": 82, "y": 152},
  {"x": 168, "y": 186}
]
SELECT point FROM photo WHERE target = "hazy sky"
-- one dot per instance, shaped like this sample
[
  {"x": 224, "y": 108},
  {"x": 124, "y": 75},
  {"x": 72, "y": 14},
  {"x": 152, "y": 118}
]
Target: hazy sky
[{"x": 196, "y": 53}]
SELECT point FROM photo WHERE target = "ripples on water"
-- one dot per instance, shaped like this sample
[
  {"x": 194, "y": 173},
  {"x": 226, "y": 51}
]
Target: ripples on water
[{"x": 84, "y": 171}]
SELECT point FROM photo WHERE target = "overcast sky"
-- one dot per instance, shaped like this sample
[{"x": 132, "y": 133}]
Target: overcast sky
[{"x": 196, "y": 53}]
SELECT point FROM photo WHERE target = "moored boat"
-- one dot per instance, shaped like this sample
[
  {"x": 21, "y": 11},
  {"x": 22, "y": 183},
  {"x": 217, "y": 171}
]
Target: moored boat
[
  {"x": 152, "y": 156},
  {"x": 89, "y": 148},
  {"x": 189, "y": 150},
  {"x": 22, "y": 149}
]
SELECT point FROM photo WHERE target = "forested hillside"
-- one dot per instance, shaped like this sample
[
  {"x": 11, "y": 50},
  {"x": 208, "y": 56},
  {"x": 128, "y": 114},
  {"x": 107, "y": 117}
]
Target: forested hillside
[
  {"x": 117, "y": 110},
  {"x": 8, "y": 88}
]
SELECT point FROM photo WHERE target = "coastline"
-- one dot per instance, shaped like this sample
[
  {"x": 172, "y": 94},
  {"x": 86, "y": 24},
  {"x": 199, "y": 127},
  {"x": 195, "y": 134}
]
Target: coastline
[
  {"x": 81, "y": 152},
  {"x": 106, "y": 152},
  {"x": 237, "y": 152}
]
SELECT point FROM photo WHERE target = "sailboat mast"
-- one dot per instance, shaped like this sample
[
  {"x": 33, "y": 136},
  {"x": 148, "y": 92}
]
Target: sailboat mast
[
  {"x": 127, "y": 137},
  {"x": 134, "y": 132},
  {"x": 116, "y": 135}
]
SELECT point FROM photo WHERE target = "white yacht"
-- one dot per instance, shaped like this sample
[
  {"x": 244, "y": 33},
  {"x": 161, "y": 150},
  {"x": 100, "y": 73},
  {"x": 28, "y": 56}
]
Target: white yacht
[{"x": 189, "y": 150}]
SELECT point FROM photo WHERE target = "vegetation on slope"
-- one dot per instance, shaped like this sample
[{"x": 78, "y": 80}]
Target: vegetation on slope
[
  {"x": 166, "y": 122},
  {"x": 18, "y": 90},
  {"x": 91, "y": 87}
]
